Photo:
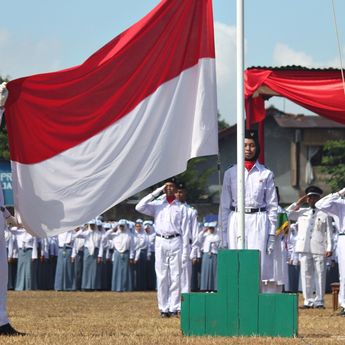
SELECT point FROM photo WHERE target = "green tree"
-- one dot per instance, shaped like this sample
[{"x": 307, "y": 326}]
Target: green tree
[
  {"x": 222, "y": 124},
  {"x": 333, "y": 163},
  {"x": 195, "y": 178}
]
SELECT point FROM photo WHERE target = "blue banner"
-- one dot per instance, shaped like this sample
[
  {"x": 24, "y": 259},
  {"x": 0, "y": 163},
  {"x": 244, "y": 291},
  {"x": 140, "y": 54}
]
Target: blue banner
[{"x": 6, "y": 182}]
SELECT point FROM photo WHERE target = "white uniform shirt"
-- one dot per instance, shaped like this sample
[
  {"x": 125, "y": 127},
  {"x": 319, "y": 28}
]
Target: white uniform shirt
[
  {"x": 334, "y": 205},
  {"x": 314, "y": 230},
  {"x": 122, "y": 241},
  {"x": 209, "y": 242},
  {"x": 141, "y": 242},
  {"x": 259, "y": 192},
  {"x": 66, "y": 239},
  {"x": 152, "y": 238},
  {"x": 170, "y": 219},
  {"x": 11, "y": 244},
  {"x": 193, "y": 231},
  {"x": 92, "y": 238},
  {"x": 26, "y": 241}
]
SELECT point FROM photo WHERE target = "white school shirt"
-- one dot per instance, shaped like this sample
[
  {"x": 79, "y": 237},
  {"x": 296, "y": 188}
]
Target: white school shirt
[
  {"x": 26, "y": 241},
  {"x": 141, "y": 242},
  {"x": 92, "y": 239},
  {"x": 259, "y": 192},
  {"x": 334, "y": 205},
  {"x": 169, "y": 219},
  {"x": 209, "y": 242},
  {"x": 122, "y": 241},
  {"x": 314, "y": 230}
]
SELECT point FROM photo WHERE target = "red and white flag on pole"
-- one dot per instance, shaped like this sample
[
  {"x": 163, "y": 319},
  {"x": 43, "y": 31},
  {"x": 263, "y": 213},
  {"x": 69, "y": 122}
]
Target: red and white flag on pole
[{"x": 86, "y": 138}]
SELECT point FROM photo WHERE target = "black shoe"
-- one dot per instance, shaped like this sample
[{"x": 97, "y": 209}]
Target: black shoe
[
  {"x": 320, "y": 307},
  {"x": 9, "y": 331},
  {"x": 306, "y": 307},
  {"x": 165, "y": 314},
  {"x": 175, "y": 313},
  {"x": 341, "y": 312}
]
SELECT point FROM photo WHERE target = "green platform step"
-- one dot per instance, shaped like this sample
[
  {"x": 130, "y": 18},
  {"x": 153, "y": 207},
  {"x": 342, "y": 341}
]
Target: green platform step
[{"x": 238, "y": 308}]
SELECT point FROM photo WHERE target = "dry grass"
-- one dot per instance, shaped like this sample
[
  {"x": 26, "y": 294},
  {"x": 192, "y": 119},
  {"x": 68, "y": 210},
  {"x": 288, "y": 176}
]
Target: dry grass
[{"x": 82, "y": 318}]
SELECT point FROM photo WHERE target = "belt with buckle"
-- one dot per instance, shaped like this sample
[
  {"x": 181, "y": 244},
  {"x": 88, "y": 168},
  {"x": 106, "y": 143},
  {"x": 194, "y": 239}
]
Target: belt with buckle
[
  {"x": 168, "y": 237},
  {"x": 249, "y": 209}
]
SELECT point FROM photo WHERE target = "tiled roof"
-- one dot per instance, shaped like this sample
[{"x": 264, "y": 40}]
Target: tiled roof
[
  {"x": 294, "y": 68},
  {"x": 305, "y": 121}
]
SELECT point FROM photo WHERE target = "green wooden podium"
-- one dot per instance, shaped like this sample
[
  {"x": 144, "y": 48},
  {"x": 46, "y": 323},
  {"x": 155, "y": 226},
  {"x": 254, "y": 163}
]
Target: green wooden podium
[{"x": 238, "y": 308}]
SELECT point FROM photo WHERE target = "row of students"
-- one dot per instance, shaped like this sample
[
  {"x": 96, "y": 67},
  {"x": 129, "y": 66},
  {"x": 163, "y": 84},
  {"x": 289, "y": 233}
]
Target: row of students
[{"x": 86, "y": 258}]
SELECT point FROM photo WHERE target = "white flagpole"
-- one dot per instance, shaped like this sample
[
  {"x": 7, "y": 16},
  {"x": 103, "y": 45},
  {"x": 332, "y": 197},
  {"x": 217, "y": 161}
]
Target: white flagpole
[{"x": 240, "y": 121}]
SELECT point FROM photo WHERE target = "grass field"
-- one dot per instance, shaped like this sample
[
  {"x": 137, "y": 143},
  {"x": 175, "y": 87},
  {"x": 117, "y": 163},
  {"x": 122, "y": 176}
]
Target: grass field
[{"x": 84, "y": 318}]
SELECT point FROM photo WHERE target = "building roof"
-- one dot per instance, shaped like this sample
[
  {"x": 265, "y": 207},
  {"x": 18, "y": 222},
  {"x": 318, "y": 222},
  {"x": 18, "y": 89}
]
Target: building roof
[
  {"x": 290, "y": 121},
  {"x": 305, "y": 121},
  {"x": 294, "y": 68}
]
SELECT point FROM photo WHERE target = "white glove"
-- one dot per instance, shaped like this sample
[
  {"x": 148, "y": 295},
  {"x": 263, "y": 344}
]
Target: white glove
[
  {"x": 184, "y": 260},
  {"x": 158, "y": 191},
  {"x": 270, "y": 244},
  {"x": 3, "y": 94},
  {"x": 342, "y": 192}
]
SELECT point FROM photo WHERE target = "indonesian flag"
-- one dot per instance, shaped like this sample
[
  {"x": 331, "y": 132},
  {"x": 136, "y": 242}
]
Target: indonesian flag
[{"x": 86, "y": 138}]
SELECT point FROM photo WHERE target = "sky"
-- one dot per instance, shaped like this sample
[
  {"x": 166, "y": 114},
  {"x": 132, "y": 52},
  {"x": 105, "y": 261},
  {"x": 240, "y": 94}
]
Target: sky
[{"x": 39, "y": 36}]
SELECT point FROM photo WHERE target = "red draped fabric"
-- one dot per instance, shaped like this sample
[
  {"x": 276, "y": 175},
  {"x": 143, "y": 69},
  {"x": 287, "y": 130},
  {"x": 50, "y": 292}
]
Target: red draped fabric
[{"x": 320, "y": 91}]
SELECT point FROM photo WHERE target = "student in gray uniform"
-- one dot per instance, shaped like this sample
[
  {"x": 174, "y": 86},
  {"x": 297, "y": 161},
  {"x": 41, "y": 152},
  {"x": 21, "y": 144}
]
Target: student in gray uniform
[
  {"x": 122, "y": 242},
  {"x": 43, "y": 264},
  {"x": 92, "y": 262},
  {"x": 150, "y": 263},
  {"x": 104, "y": 255},
  {"x": 77, "y": 259},
  {"x": 64, "y": 276},
  {"x": 27, "y": 261},
  {"x": 209, "y": 241},
  {"x": 53, "y": 254},
  {"x": 141, "y": 256}
]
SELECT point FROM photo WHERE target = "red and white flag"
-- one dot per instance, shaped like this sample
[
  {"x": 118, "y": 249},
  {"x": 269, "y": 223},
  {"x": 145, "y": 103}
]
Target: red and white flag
[{"x": 86, "y": 138}]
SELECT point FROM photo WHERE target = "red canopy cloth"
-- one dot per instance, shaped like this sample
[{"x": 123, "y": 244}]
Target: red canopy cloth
[{"x": 319, "y": 90}]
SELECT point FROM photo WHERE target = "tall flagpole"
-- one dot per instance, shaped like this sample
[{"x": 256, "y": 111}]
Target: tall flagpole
[{"x": 240, "y": 120}]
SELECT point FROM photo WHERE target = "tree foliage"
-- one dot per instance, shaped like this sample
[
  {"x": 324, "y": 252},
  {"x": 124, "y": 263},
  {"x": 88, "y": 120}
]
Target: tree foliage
[
  {"x": 195, "y": 178},
  {"x": 222, "y": 124},
  {"x": 333, "y": 163}
]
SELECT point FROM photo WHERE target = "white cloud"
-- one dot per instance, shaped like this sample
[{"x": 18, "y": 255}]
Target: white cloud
[
  {"x": 24, "y": 56},
  {"x": 283, "y": 55},
  {"x": 225, "y": 43}
]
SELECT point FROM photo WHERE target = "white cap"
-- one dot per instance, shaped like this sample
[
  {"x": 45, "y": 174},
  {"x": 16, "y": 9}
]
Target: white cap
[
  {"x": 210, "y": 224},
  {"x": 148, "y": 222},
  {"x": 106, "y": 225},
  {"x": 122, "y": 222}
]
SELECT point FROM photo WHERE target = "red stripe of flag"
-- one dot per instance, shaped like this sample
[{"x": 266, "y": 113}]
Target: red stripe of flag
[{"x": 47, "y": 114}]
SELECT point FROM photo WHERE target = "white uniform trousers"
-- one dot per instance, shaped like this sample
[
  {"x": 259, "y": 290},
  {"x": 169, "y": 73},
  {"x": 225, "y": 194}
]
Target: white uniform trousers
[
  {"x": 168, "y": 272},
  {"x": 341, "y": 265},
  {"x": 186, "y": 277},
  {"x": 3, "y": 280},
  {"x": 313, "y": 273}
]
